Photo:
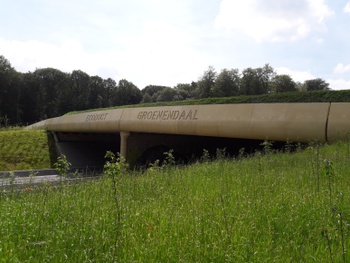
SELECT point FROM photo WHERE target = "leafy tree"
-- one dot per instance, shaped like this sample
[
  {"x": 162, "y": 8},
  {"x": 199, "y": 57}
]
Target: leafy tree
[
  {"x": 29, "y": 102},
  {"x": 18, "y": 84},
  {"x": 6, "y": 71},
  {"x": 181, "y": 95},
  {"x": 299, "y": 86},
  {"x": 50, "y": 86},
  {"x": 184, "y": 87},
  {"x": 250, "y": 82},
  {"x": 282, "y": 83},
  {"x": 194, "y": 93},
  {"x": 256, "y": 81},
  {"x": 206, "y": 83},
  {"x": 152, "y": 89},
  {"x": 166, "y": 94},
  {"x": 316, "y": 84},
  {"x": 186, "y": 91},
  {"x": 10, "y": 92},
  {"x": 227, "y": 83},
  {"x": 45, "y": 94},
  {"x": 146, "y": 98},
  {"x": 96, "y": 92},
  {"x": 109, "y": 96},
  {"x": 80, "y": 90},
  {"x": 127, "y": 93},
  {"x": 151, "y": 92}
]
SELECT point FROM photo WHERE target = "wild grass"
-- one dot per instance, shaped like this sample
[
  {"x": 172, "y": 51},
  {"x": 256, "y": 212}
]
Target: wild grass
[
  {"x": 24, "y": 149},
  {"x": 270, "y": 207}
]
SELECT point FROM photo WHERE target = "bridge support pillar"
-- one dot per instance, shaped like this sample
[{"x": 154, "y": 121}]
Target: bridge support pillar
[{"x": 124, "y": 143}]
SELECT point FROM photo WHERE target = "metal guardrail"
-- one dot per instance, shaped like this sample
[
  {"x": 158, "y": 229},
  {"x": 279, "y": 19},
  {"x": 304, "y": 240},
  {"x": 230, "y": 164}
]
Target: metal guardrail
[
  {"x": 27, "y": 173},
  {"x": 22, "y": 177}
]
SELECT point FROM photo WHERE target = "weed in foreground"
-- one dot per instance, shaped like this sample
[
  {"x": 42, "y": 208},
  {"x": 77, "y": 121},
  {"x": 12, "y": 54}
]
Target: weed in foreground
[
  {"x": 336, "y": 207},
  {"x": 113, "y": 167},
  {"x": 62, "y": 166}
]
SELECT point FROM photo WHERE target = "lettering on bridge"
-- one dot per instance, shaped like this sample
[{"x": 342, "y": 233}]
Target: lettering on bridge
[
  {"x": 167, "y": 115},
  {"x": 96, "y": 117}
]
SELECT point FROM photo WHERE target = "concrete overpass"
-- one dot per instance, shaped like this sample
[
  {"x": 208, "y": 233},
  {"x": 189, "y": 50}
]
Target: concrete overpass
[{"x": 141, "y": 134}]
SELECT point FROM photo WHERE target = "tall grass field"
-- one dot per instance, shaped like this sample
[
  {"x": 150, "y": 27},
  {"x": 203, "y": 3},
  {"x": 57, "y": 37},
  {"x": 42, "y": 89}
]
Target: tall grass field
[{"x": 272, "y": 207}]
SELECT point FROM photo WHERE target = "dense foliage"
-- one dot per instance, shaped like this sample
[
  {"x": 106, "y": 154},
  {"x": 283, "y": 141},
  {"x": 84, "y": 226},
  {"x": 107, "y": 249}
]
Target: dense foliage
[{"x": 47, "y": 92}]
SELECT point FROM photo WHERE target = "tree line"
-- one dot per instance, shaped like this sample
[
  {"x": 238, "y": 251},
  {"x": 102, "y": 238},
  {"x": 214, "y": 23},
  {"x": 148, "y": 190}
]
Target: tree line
[{"x": 47, "y": 92}]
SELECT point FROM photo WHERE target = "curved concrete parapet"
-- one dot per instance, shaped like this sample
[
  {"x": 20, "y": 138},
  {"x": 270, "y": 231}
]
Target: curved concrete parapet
[
  {"x": 85, "y": 137},
  {"x": 97, "y": 121},
  {"x": 37, "y": 125},
  {"x": 280, "y": 121},
  {"x": 338, "y": 126}
]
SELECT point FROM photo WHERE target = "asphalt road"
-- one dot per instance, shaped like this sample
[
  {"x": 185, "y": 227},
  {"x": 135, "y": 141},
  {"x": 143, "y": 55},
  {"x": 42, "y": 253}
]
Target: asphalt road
[
  {"x": 18, "y": 178},
  {"x": 28, "y": 180}
]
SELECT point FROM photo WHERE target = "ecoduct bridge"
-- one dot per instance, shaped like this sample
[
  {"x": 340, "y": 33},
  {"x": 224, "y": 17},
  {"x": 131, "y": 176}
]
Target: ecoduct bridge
[{"x": 143, "y": 134}]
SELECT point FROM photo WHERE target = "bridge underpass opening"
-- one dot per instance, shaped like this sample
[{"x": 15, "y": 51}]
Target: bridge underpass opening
[
  {"x": 145, "y": 148},
  {"x": 87, "y": 150}
]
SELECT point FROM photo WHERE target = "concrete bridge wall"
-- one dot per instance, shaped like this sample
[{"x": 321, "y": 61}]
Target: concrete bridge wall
[{"x": 134, "y": 131}]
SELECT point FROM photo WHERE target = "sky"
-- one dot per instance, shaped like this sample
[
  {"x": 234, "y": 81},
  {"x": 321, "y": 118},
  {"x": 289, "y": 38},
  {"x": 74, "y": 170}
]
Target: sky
[{"x": 166, "y": 42}]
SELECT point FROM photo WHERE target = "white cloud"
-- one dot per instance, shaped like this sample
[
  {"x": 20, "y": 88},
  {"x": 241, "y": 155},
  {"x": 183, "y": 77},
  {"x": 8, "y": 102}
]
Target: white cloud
[
  {"x": 274, "y": 20},
  {"x": 146, "y": 42},
  {"x": 32, "y": 54},
  {"x": 299, "y": 76},
  {"x": 341, "y": 68},
  {"x": 347, "y": 8},
  {"x": 339, "y": 84},
  {"x": 162, "y": 55},
  {"x": 158, "y": 56}
]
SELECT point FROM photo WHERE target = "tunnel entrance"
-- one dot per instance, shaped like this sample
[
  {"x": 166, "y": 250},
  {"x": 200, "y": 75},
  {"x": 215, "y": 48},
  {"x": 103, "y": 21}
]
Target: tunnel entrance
[
  {"x": 86, "y": 151},
  {"x": 145, "y": 148}
]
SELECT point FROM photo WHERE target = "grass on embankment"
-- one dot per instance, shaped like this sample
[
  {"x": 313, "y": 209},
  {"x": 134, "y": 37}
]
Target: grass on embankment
[
  {"x": 24, "y": 149},
  {"x": 292, "y": 207}
]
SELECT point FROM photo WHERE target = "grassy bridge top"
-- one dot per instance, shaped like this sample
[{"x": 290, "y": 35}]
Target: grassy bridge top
[{"x": 287, "y": 97}]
